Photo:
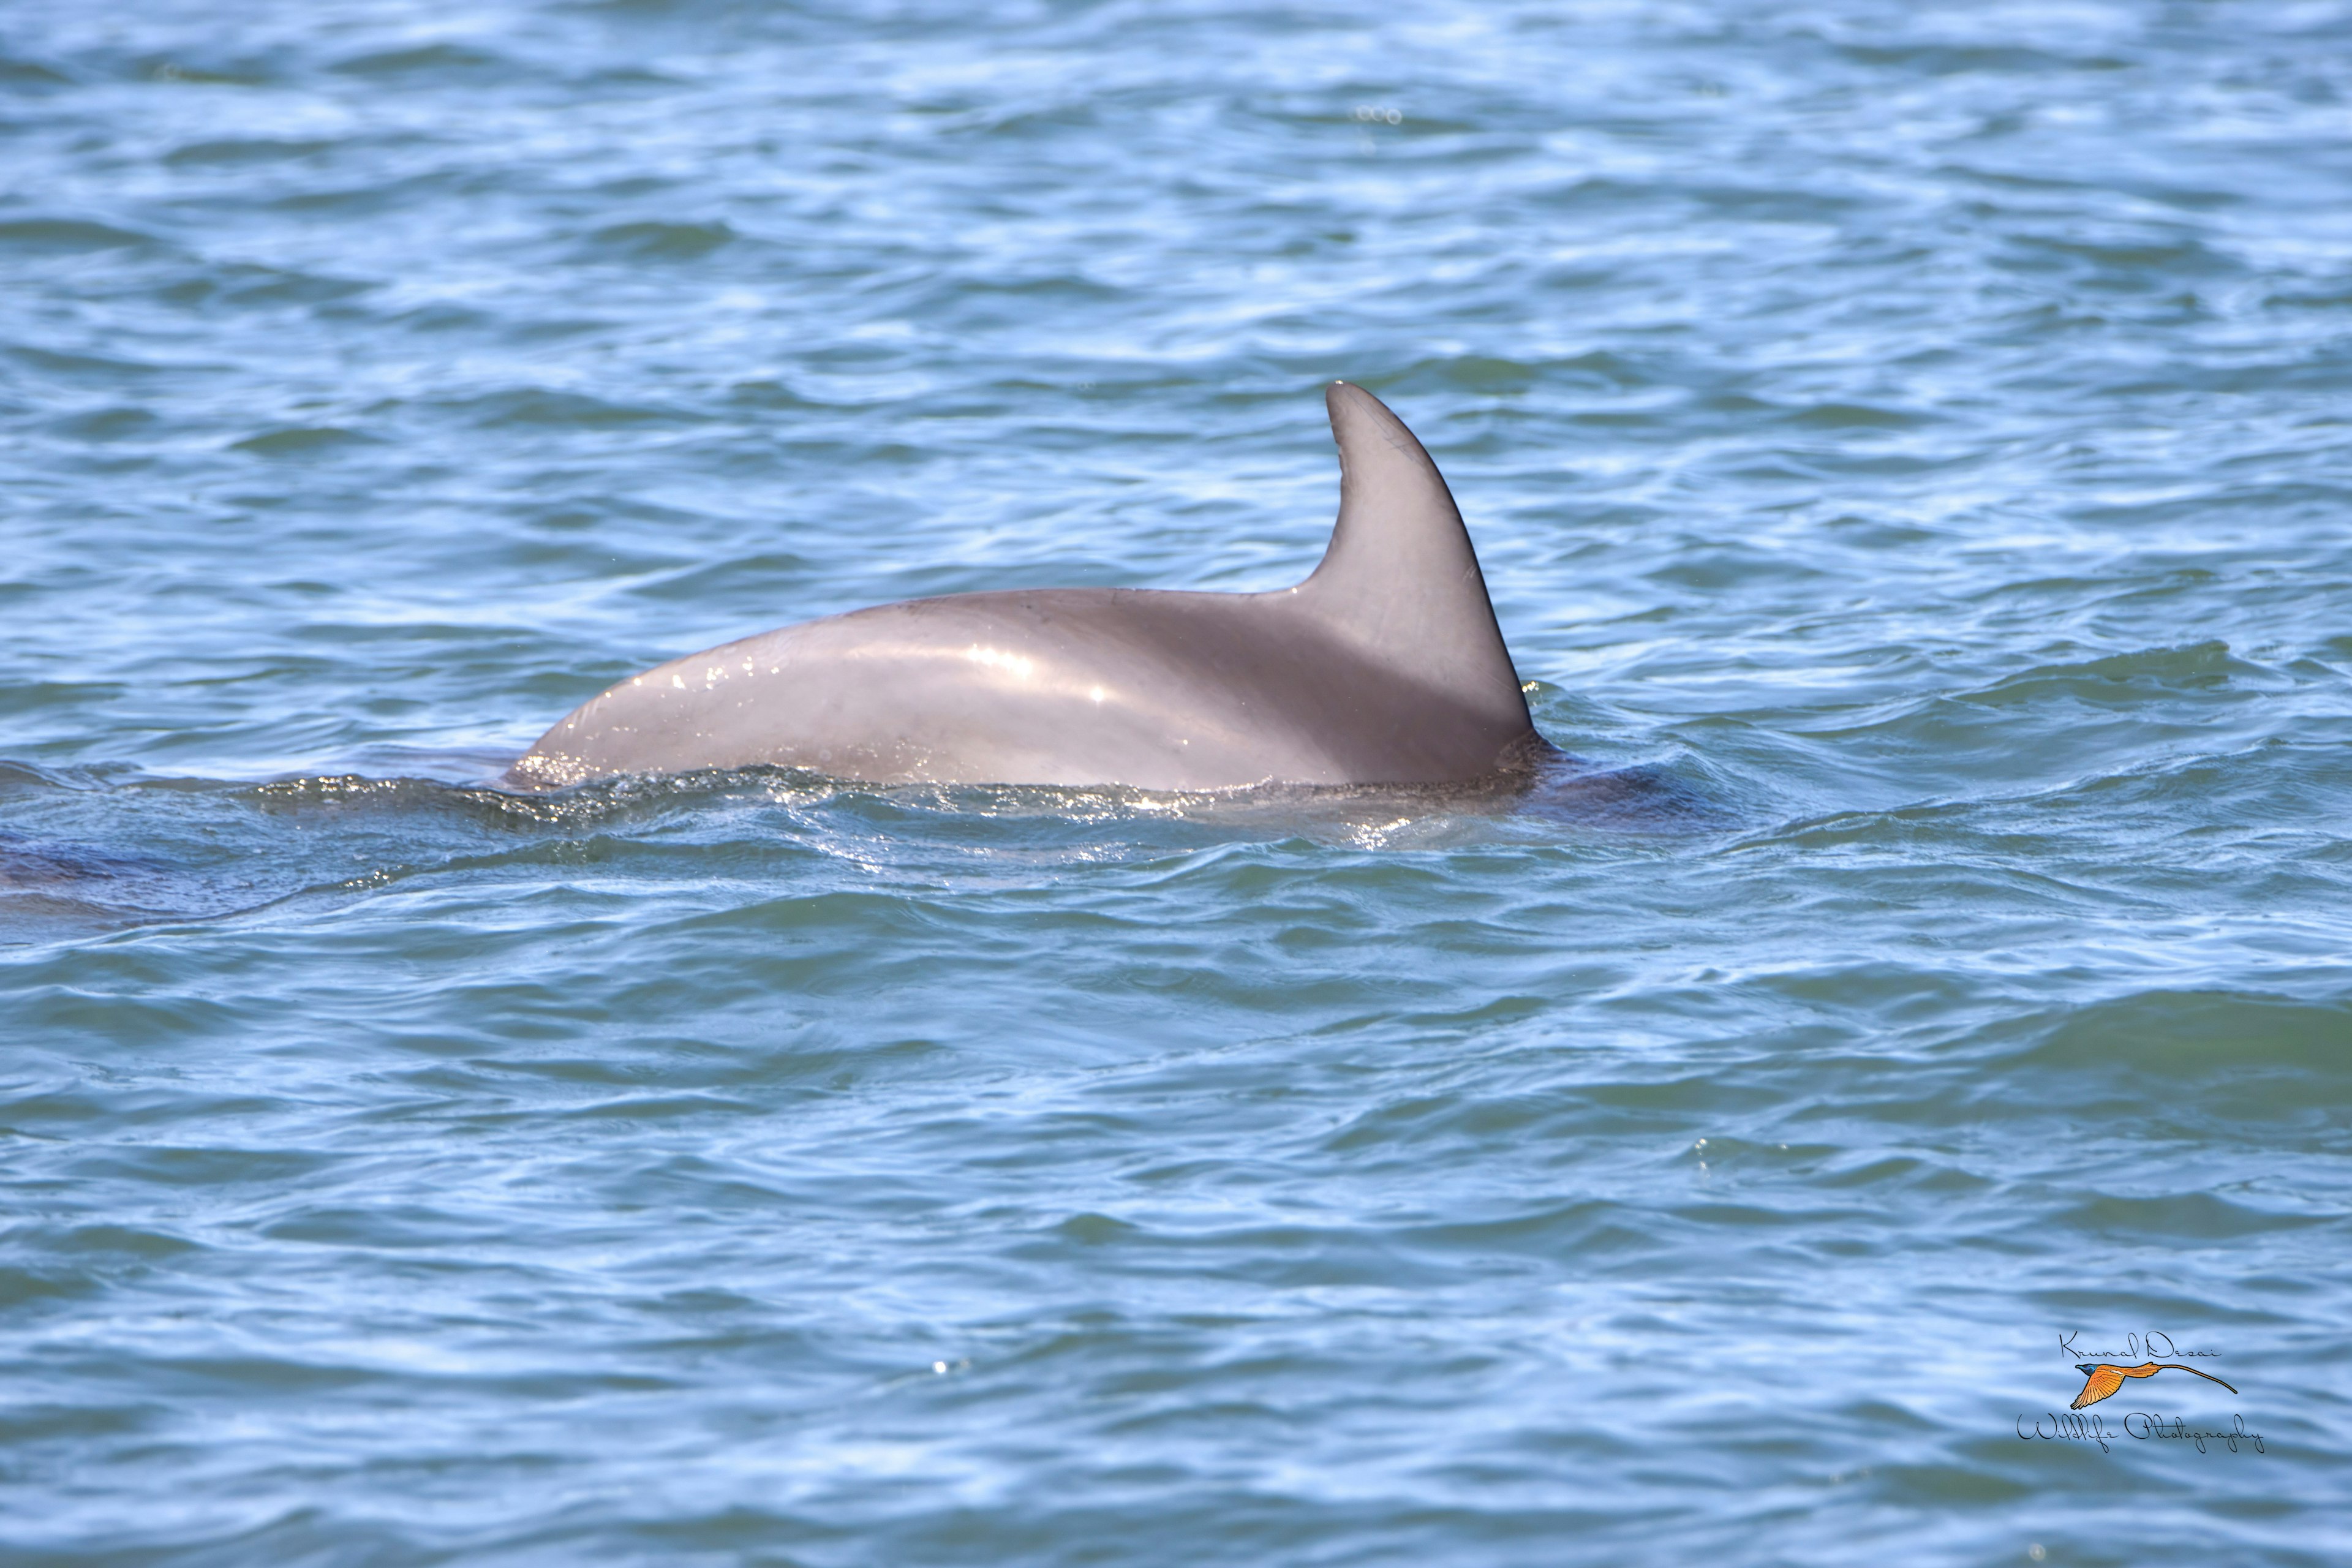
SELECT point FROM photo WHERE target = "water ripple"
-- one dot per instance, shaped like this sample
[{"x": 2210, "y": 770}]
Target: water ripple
[{"x": 1908, "y": 451}]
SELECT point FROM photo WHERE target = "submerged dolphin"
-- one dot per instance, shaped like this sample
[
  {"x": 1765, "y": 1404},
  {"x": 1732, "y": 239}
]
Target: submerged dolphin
[{"x": 1384, "y": 668}]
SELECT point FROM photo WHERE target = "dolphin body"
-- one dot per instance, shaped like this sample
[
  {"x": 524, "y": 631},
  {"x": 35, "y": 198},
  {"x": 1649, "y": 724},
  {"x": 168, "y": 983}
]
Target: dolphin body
[{"x": 1385, "y": 667}]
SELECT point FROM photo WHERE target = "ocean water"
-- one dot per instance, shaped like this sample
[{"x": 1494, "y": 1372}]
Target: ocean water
[{"x": 1913, "y": 445}]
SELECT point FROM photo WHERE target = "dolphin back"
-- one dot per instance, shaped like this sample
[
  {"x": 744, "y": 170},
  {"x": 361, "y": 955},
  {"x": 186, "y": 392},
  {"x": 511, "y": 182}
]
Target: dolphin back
[{"x": 1385, "y": 667}]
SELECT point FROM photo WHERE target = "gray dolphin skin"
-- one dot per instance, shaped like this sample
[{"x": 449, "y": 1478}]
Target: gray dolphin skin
[{"x": 1385, "y": 667}]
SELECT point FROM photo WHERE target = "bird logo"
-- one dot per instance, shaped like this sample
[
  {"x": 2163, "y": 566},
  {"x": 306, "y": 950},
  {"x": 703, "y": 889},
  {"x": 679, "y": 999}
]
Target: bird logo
[{"x": 2105, "y": 1377}]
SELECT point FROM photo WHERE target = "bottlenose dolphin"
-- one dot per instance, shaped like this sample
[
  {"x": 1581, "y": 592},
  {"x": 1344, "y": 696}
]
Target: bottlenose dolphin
[{"x": 1385, "y": 667}]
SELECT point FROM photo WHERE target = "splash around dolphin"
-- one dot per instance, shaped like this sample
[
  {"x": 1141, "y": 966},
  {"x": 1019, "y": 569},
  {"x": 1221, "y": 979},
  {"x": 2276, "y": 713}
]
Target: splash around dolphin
[{"x": 1385, "y": 667}]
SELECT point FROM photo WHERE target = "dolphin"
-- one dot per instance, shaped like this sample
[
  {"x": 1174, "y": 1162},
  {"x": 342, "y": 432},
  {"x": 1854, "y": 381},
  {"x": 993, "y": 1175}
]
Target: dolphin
[{"x": 1385, "y": 667}]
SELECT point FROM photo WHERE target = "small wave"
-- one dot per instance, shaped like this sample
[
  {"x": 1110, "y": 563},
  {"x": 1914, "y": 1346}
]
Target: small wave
[
  {"x": 2240, "y": 1041},
  {"x": 430, "y": 60},
  {"x": 2122, "y": 676},
  {"x": 543, "y": 405},
  {"x": 50, "y": 887},
  {"x": 65, "y": 235},
  {"x": 217, "y": 75},
  {"x": 2179, "y": 1217},
  {"x": 1854, "y": 417},
  {"x": 119, "y": 423},
  {"x": 299, "y": 440},
  {"x": 243, "y": 150},
  {"x": 21, "y": 73},
  {"x": 662, "y": 241}
]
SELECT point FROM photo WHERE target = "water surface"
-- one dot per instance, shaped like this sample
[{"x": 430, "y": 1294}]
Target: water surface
[{"x": 1914, "y": 447}]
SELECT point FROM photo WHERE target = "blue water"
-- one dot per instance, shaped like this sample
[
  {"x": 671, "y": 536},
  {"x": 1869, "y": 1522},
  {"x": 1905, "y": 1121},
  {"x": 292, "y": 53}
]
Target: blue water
[{"x": 1916, "y": 442}]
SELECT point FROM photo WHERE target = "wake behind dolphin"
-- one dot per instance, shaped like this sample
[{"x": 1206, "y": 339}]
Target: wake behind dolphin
[{"x": 1385, "y": 667}]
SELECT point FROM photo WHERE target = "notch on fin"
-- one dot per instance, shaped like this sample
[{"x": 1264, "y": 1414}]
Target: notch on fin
[{"x": 1400, "y": 578}]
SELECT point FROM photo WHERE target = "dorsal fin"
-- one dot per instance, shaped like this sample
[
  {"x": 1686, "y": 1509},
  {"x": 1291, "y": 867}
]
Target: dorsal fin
[{"x": 1400, "y": 579}]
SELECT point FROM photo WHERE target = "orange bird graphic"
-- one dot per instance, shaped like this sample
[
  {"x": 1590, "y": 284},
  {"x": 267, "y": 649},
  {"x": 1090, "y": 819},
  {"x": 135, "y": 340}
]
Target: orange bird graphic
[{"x": 2105, "y": 1377}]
